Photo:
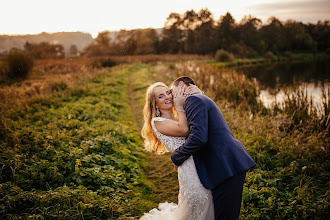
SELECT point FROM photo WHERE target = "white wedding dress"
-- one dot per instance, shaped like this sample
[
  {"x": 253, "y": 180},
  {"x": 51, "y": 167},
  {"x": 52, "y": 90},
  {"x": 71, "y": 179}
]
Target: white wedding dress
[{"x": 194, "y": 201}]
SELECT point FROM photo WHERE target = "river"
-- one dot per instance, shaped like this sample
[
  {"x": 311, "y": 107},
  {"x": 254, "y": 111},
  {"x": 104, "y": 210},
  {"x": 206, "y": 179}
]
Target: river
[{"x": 276, "y": 80}]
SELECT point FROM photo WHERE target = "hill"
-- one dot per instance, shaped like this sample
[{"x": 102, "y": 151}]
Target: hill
[{"x": 66, "y": 39}]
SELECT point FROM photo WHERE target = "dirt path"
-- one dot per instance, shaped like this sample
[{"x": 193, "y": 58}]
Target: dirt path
[{"x": 158, "y": 168}]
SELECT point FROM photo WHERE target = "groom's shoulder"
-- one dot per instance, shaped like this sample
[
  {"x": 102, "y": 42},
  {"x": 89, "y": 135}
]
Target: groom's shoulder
[{"x": 198, "y": 98}]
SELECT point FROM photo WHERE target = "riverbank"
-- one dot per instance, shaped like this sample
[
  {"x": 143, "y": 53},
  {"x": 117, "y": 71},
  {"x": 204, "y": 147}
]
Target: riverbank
[
  {"x": 290, "y": 180},
  {"x": 71, "y": 148},
  {"x": 288, "y": 57}
]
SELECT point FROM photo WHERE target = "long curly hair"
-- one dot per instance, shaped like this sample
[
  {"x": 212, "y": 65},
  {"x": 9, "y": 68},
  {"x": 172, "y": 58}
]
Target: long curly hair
[{"x": 151, "y": 143}]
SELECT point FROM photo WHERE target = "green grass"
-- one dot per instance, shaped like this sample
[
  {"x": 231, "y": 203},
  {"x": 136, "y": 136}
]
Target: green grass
[
  {"x": 291, "y": 179},
  {"x": 290, "y": 57},
  {"x": 76, "y": 152},
  {"x": 291, "y": 148},
  {"x": 73, "y": 154}
]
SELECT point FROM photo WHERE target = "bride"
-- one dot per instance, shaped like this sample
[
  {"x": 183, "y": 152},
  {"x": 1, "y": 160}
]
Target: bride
[{"x": 165, "y": 128}]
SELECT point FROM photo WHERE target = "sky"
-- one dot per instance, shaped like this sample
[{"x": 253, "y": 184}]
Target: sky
[{"x": 94, "y": 16}]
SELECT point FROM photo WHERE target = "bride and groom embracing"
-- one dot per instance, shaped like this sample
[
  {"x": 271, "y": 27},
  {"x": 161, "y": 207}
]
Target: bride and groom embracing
[{"x": 211, "y": 163}]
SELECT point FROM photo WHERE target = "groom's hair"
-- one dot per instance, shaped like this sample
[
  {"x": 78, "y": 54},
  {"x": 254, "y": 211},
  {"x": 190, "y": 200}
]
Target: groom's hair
[{"x": 185, "y": 79}]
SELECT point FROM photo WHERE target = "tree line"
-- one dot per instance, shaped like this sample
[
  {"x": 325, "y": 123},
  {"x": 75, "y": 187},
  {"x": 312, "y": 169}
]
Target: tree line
[{"x": 199, "y": 33}]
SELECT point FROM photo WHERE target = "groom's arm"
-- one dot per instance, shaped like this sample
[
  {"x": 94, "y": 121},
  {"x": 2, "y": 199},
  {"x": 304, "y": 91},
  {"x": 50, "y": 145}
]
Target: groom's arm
[{"x": 197, "y": 114}]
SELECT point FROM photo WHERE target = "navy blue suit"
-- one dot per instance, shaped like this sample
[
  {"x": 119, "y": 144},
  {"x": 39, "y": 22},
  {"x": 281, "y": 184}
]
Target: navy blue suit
[{"x": 218, "y": 156}]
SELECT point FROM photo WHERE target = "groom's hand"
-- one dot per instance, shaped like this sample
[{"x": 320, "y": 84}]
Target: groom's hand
[{"x": 176, "y": 167}]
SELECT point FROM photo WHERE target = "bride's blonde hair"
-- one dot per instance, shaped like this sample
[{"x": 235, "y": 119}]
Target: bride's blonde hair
[{"x": 151, "y": 143}]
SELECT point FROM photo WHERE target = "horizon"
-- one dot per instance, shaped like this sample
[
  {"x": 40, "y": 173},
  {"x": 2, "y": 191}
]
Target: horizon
[{"x": 82, "y": 16}]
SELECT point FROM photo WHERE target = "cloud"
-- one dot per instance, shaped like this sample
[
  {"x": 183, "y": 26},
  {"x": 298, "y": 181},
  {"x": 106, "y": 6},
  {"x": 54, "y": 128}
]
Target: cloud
[{"x": 300, "y": 10}]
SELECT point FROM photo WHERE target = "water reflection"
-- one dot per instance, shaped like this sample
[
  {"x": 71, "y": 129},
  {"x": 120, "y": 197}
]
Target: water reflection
[
  {"x": 276, "y": 80},
  {"x": 314, "y": 92}
]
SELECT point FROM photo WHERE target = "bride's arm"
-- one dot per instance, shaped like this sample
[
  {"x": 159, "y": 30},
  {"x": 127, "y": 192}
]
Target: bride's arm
[
  {"x": 178, "y": 128},
  {"x": 174, "y": 128}
]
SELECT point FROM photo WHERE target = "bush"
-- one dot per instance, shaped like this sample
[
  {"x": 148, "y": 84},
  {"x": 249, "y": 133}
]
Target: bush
[
  {"x": 242, "y": 51},
  {"x": 270, "y": 56},
  {"x": 103, "y": 63},
  {"x": 3, "y": 70},
  {"x": 223, "y": 56},
  {"x": 19, "y": 64}
]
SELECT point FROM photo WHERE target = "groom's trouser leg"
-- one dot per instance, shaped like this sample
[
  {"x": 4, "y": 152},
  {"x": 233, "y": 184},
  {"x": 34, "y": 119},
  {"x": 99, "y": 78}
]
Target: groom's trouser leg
[{"x": 227, "y": 197}]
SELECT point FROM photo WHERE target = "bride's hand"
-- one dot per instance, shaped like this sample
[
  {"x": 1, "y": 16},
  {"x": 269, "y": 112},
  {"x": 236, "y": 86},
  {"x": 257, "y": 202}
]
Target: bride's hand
[
  {"x": 193, "y": 89},
  {"x": 179, "y": 99}
]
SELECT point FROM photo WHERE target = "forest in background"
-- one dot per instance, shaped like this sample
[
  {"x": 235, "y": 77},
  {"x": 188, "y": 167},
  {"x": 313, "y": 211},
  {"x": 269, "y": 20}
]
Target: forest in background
[
  {"x": 199, "y": 33},
  {"x": 69, "y": 127}
]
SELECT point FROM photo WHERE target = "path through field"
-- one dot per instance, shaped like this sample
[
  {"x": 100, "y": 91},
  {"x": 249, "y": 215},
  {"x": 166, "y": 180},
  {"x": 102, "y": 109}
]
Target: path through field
[{"x": 158, "y": 168}]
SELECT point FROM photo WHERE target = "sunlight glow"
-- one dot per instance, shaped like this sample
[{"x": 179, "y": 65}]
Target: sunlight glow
[{"x": 35, "y": 16}]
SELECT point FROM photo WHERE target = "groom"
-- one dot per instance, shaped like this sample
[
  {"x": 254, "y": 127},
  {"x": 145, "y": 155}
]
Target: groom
[{"x": 221, "y": 161}]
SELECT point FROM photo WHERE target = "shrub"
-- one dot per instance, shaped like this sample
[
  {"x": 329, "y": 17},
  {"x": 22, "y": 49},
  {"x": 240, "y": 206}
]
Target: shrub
[
  {"x": 19, "y": 64},
  {"x": 103, "y": 63},
  {"x": 3, "y": 70},
  {"x": 242, "y": 51},
  {"x": 270, "y": 56},
  {"x": 223, "y": 56}
]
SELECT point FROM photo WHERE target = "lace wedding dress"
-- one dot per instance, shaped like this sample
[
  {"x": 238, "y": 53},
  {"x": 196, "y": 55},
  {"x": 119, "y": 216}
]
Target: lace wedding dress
[{"x": 194, "y": 201}]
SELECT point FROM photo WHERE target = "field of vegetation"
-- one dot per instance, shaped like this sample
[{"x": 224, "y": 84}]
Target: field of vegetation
[{"x": 71, "y": 148}]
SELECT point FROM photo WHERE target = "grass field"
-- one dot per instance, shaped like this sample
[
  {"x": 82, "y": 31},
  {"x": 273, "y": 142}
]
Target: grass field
[{"x": 70, "y": 146}]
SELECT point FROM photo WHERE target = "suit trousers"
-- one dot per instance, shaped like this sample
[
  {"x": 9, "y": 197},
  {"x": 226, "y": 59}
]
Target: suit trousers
[{"x": 227, "y": 197}]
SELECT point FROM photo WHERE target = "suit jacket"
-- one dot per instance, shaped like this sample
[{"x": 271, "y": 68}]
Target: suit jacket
[{"x": 216, "y": 152}]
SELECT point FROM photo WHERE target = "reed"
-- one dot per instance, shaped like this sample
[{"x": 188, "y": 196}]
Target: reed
[
  {"x": 303, "y": 111},
  {"x": 223, "y": 83}
]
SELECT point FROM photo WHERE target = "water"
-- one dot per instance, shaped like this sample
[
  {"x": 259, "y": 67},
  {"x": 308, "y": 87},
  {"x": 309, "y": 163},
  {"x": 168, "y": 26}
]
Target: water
[{"x": 278, "y": 79}]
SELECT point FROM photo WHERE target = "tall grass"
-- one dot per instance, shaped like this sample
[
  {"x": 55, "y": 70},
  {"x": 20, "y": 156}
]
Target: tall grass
[
  {"x": 289, "y": 143},
  {"x": 299, "y": 106},
  {"x": 223, "y": 83}
]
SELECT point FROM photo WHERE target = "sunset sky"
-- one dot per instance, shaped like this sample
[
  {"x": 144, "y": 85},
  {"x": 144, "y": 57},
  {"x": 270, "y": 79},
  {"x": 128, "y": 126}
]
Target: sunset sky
[{"x": 36, "y": 16}]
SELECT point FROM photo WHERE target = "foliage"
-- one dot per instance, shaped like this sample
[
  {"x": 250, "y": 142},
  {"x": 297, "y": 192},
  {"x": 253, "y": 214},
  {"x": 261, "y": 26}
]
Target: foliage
[
  {"x": 234, "y": 87},
  {"x": 199, "y": 33},
  {"x": 270, "y": 56},
  {"x": 104, "y": 62},
  {"x": 101, "y": 45},
  {"x": 72, "y": 154},
  {"x": 45, "y": 50},
  {"x": 223, "y": 56},
  {"x": 19, "y": 64},
  {"x": 290, "y": 147},
  {"x": 72, "y": 150}
]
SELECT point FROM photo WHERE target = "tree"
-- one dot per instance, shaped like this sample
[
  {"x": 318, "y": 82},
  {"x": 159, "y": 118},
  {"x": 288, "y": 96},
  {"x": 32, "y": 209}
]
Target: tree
[
  {"x": 297, "y": 37},
  {"x": 225, "y": 31},
  {"x": 273, "y": 35},
  {"x": 73, "y": 50},
  {"x": 190, "y": 22},
  {"x": 146, "y": 41},
  {"x": 172, "y": 35},
  {"x": 320, "y": 33},
  {"x": 205, "y": 33},
  {"x": 101, "y": 45},
  {"x": 249, "y": 33},
  {"x": 45, "y": 50},
  {"x": 19, "y": 64}
]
